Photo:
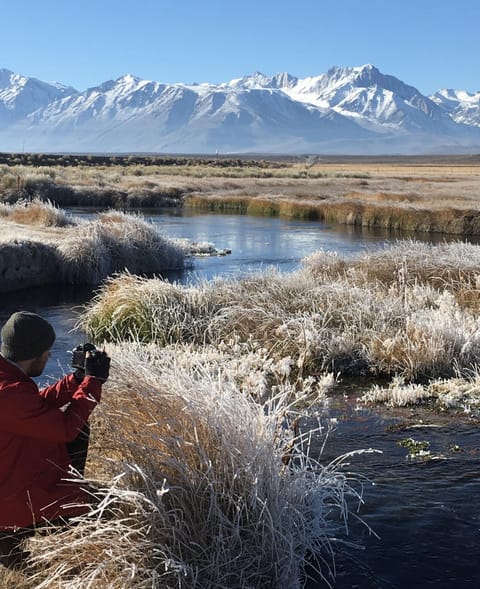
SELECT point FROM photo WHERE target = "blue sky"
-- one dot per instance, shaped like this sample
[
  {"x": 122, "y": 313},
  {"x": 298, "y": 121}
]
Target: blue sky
[{"x": 426, "y": 43}]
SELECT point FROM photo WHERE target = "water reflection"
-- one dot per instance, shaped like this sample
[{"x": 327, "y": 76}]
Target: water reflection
[{"x": 259, "y": 242}]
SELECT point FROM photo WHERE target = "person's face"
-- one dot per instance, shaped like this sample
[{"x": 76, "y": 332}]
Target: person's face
[{"x": 37, "y": 365}]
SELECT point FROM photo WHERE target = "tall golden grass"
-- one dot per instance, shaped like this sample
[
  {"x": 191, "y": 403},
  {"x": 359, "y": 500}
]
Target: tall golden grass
[
  {"x": 36, "y": 212},
  {"x": 193, "y": 489},
  {"x": 398, "y": 214}
]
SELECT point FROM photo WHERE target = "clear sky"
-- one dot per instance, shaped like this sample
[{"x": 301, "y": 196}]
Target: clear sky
[{"x": 429, "y": 44}]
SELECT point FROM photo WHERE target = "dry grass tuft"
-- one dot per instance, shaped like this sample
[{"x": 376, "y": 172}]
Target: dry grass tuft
[
  {"x": 194, "y": 492},
  {"x": 82, "y": 252},
  {"x": 453, "y": 266},
  {"x": 460, "y": 394},
  {"x": 115, "y": 242},
  {"x": 37, "y": 213}
]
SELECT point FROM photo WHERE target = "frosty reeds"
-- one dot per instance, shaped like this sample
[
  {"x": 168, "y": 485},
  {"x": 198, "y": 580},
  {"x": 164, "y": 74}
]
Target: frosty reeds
[
  {"x": 449, "y": 265},
  {"x": 116, "y": 241},
  {"x": 193, "y": 488},
  {"x": 460, "y": 393},
  {"x": 409, "y": 310},
  {"x": 43, "y": 245}
]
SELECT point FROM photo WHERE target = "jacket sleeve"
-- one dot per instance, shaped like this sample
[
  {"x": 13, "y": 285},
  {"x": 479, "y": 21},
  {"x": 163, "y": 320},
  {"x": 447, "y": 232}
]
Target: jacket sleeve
[
  {"x": 24, "y": 412},
  {"x": 60, "y": 393}
]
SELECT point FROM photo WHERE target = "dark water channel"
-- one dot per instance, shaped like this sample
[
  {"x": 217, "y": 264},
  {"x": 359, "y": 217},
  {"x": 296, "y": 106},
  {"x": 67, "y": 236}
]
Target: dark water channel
[{"x": 425, "y": 513}]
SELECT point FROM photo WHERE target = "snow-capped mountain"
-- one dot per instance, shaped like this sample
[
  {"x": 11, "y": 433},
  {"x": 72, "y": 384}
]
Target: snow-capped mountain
[
  {"x": 375, "y": 100},
  {"x": 345, "y": 110},
  {"x": 463, "y": 107},
  {"x": 19, "y": 96}
]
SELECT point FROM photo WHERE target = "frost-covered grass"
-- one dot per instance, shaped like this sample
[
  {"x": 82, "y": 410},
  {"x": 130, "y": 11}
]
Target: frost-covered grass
[
  {"x": 114, "y": 242},
  {"x": 460, "y": 394},
  {"x": 194, "y": 486},
  {"x": 453, "y": 266},
  {"x": 398, "y": 393},
  {"x": 81, "y": 252},
  {"x": 409, "y": 310}
]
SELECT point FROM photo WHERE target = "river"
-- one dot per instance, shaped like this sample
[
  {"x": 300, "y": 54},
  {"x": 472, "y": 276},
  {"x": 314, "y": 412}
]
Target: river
[{"x": 425, "y": 514}]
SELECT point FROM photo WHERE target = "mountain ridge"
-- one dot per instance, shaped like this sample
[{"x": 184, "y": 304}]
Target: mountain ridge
[{"x": 346, "y": 110}]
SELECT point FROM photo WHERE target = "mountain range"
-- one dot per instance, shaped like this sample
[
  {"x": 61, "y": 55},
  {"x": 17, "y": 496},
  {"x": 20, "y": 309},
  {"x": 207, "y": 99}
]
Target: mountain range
[{"x": 347, "y": 110}]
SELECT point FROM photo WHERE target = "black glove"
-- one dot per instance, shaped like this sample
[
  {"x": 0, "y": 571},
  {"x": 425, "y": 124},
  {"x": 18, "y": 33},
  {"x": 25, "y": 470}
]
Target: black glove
[
  {"x": 78, "y": 360},
  {"x": 97, "y": 364}
]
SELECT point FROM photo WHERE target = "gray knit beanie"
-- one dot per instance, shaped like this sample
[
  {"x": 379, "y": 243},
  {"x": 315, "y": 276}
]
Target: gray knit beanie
[{"x": 25, "y": 336}]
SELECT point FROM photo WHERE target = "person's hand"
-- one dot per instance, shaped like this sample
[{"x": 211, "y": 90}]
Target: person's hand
[
  {"x": 97, "y": 364},
  {"x": 78, "y": 360}
]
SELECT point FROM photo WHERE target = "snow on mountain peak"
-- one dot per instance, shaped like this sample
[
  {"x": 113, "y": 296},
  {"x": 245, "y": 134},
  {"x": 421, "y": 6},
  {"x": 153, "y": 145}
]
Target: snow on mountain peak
[
  {"x": 462, "y": 106},
  {"x": 5, "y": 77},
  {"x": 346, "y": 109},
  {"x": 255, "y": 80},
  {"x": 456, "y": 96},
  {"x": 128, "y": 80},
  {"x": 258, "y": 80},
  {"x": 20, "y": 95},
  {"x": 283, "y": 80}
]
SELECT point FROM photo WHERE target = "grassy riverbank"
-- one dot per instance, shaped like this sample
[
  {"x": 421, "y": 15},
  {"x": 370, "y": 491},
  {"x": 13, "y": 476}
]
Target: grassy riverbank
[
  {"x": 203, "y": 477},
  {"x": 201, "y": 417},
  {"x": 409, "y": 310},
  {"x": 399, "y": 194},
  {"x": 40, "y": 244}
]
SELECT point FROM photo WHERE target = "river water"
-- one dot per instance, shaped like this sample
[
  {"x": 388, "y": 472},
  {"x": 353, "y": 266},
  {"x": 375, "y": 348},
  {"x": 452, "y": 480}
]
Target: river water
[{"x": 425, "y": 513}]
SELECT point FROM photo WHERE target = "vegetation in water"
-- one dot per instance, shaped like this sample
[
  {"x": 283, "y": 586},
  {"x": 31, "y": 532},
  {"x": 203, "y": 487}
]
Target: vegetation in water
[
  {"x": 416, "y": 448},
  {"x": 201, "y": 477},
  {"x": 460, "y": 394},
  {"x": 397, "y": 194},
  {"x": 42, "y": 244}
]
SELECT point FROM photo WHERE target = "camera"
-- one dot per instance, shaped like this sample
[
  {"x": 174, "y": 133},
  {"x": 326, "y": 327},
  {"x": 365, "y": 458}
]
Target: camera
[
  {"x": 78, "y": 355},
  {"x": 96, "y": 364}
]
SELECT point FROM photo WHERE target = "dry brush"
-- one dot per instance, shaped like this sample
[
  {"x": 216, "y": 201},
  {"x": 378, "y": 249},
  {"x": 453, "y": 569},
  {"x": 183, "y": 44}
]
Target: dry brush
[{"x": 193, "y": 486}]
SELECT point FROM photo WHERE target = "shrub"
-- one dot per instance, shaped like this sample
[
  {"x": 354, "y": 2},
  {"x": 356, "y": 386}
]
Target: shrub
[
  {"x": 371, "y": 315},
  {"x": 36, "y": 212}
]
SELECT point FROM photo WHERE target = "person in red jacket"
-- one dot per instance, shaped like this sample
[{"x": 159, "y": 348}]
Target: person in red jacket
[{"x": 42, "y": 432}]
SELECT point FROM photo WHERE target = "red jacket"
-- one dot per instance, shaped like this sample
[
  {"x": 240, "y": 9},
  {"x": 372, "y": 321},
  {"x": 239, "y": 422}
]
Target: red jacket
[{"x": 33, "y": 456}]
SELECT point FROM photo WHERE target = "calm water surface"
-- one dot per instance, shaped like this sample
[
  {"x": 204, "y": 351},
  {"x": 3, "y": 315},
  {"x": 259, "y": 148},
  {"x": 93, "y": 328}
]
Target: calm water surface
[
  {"x": 426, "y": 514},
  {"x": 259, "y": 242}
]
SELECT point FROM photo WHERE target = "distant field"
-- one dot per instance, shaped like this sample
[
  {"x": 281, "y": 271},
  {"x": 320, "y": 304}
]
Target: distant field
[{"x": 424, "y": 193}]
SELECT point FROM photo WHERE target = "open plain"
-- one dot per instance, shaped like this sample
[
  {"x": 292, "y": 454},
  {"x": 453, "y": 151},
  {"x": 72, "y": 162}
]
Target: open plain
[{"x": 433, "y": 194}]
